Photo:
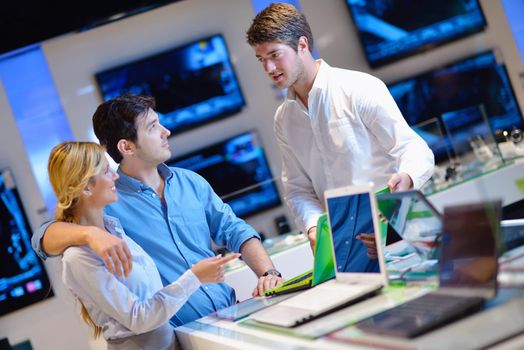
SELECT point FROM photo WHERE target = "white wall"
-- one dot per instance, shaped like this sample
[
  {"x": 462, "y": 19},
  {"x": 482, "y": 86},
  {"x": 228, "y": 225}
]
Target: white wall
[{"x": 73, "y": 59}]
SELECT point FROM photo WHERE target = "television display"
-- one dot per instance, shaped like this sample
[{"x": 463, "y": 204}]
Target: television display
[
  {"x": 392, "y": 29},
  {"x": 193, "y": 84},
  {"x": 23, "y": 279},
  {"x": 475, "y": 81},
  {"x": 31, "y": 21},
  {"x": 238, "y": 171}
]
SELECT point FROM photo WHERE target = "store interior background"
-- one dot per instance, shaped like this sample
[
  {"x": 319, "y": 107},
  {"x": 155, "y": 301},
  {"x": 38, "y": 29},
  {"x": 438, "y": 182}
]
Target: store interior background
[{"x": 74, "y": 59}]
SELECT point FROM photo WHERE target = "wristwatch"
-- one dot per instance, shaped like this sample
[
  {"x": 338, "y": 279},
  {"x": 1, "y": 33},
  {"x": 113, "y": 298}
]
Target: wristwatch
[{"x": 273, "y": 272}]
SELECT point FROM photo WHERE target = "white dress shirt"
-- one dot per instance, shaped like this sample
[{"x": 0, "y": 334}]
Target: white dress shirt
[
  {"x": 351, "y": 132},
  {"x": 134, "y": 311}
]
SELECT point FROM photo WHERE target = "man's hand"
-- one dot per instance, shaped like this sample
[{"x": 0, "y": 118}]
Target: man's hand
[
  {"x": 400, "y": 182},
  {"x": 312, "y": 236},
  {"x": 265, "y": 283},
  {"x": 368, "y": 239},
  {"x": 113, "y": 250}
]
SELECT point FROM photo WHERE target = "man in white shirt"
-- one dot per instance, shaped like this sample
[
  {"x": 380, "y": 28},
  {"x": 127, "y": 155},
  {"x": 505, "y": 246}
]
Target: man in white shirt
[{"x": 336, "y": 127}]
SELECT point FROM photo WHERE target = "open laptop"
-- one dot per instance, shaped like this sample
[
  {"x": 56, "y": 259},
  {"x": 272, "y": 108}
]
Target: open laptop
[
  {"x": 414, "y": 219},
  {"x": 468, "y": 274},
  {"x": 323, "y": 264},
  {"x": 351, "y": 210},
  {"x": 323, "y": 270}
]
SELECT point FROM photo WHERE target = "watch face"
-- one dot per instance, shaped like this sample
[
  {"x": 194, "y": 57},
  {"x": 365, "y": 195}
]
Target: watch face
[{"x": 273, "y": 272}]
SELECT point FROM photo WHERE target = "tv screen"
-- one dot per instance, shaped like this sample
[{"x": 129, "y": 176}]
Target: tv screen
[
  {"x": 23, "y": 279},
  {"x": 31, "y": 21},
  {"x": 392, "y": 29},
  {"x": 474, "y": 81},
  {"x": 193, "y": 84},
  {"x": 238, "y": 171}
]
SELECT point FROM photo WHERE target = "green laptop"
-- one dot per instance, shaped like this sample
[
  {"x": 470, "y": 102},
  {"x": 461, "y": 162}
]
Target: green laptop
[{"x": 323, "y": 263}]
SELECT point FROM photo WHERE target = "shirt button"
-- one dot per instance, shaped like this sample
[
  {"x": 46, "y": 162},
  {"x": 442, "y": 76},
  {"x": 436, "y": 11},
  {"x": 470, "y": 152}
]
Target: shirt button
[
  {"x": 206, "y": 288},
  {"x": 153, "y": 195},
  {"x": 340, "y": 268},
  {"x": 347, "y": 242},
  {"x": 351, "y": 218}
]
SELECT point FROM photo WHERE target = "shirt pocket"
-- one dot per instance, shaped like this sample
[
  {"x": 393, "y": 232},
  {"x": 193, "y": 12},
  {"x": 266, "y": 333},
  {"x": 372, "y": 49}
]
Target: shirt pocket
[{"x": 340, "y": 136}]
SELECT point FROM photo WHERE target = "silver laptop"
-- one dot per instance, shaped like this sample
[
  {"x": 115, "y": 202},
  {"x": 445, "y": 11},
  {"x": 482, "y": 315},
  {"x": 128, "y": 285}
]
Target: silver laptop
[
  {"x": 468, "y": 275},
  {"x": 414, "y": 219},
  {"x": 351, "y": 210}
]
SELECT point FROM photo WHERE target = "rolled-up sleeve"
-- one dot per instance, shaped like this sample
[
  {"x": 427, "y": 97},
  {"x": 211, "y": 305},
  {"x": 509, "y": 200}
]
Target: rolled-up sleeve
[{"x": 36, "y": 240}]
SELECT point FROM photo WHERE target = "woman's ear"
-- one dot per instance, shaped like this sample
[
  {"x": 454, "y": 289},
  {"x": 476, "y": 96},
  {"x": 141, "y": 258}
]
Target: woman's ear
[
  {"x": 125, "y": 147},
  {"x": 87, "y": 191}
]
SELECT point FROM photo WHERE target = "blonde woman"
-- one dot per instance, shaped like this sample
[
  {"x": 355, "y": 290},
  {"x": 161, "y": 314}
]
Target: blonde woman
[{"x": 130, "y": 312}]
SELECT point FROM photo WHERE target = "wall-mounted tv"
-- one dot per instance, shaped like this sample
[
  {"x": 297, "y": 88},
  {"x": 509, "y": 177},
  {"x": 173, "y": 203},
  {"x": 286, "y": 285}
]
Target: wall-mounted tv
[
  {"x": 31, "y": 21},
  {"x": 392, "y": 29},
  {"x": 23, "y": 279},
  {"x": 238, "y": 171},
  {"x": 474, "y": 81},
  {"x": 193, "y": 84}
]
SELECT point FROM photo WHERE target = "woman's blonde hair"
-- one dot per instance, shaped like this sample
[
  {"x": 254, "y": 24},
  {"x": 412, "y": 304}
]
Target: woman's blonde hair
[{"x": 72, "y": 165}]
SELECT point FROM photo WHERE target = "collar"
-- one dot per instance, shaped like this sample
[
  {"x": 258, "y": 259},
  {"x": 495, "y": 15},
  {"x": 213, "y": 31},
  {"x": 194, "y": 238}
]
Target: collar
[
  {"x": 113, "y": 225},
  {"x": 135, "y": 185}
]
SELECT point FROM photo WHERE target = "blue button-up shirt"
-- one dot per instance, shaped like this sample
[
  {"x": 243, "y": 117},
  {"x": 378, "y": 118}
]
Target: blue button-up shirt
[
  {"x": 179, "y": 234},
  {"x": 350, "y": 216}
]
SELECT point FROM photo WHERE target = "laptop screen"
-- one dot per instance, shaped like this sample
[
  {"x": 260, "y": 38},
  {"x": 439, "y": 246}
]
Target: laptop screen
[
  {"x": 414, "y": 219},
  {"x": 469, "y": 246},
  {"x": 349, "y": 216}
]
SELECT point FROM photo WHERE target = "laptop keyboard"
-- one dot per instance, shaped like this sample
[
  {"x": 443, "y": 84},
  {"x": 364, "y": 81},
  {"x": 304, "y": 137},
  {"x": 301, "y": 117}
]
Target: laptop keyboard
[
  {"x": 306, "y": 276},
  {"x": 421, "y": 315}
]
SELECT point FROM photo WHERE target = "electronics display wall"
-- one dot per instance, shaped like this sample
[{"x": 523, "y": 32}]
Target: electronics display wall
[
  {"x": 238, "y": 171},
  {"x": 193, "y": 84},
  {"x": 392, "y": 29},
  {"x": 23, "y": 280},
  {"x": 474, "y": 81}
]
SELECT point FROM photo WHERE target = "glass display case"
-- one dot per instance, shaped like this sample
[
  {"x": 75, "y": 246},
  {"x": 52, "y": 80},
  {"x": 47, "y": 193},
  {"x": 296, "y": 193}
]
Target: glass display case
[
  {"x": 464, "y": 146},
  {"x": 471, "y": 138}
]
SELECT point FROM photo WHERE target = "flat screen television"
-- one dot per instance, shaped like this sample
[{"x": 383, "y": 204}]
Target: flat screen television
[
  {"x": 23, "y": 279},
  {"x": 474, "y": 81},
  {"x": 193, "y": 84},
  {"x": 31, "y": 21},
  {"x": 392, "y": 29},
  {"x": 238, "y": 171}
]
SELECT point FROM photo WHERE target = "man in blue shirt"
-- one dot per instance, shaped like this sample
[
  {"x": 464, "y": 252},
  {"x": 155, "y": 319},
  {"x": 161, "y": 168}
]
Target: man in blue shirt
[{"x": 172, "y": 213}]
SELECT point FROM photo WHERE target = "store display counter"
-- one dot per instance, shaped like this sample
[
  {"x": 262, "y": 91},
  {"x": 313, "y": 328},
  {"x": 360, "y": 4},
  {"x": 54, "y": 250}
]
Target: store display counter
[
  {"x": 505, "y": 183},
  {"x": 499, "y": 326}
]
